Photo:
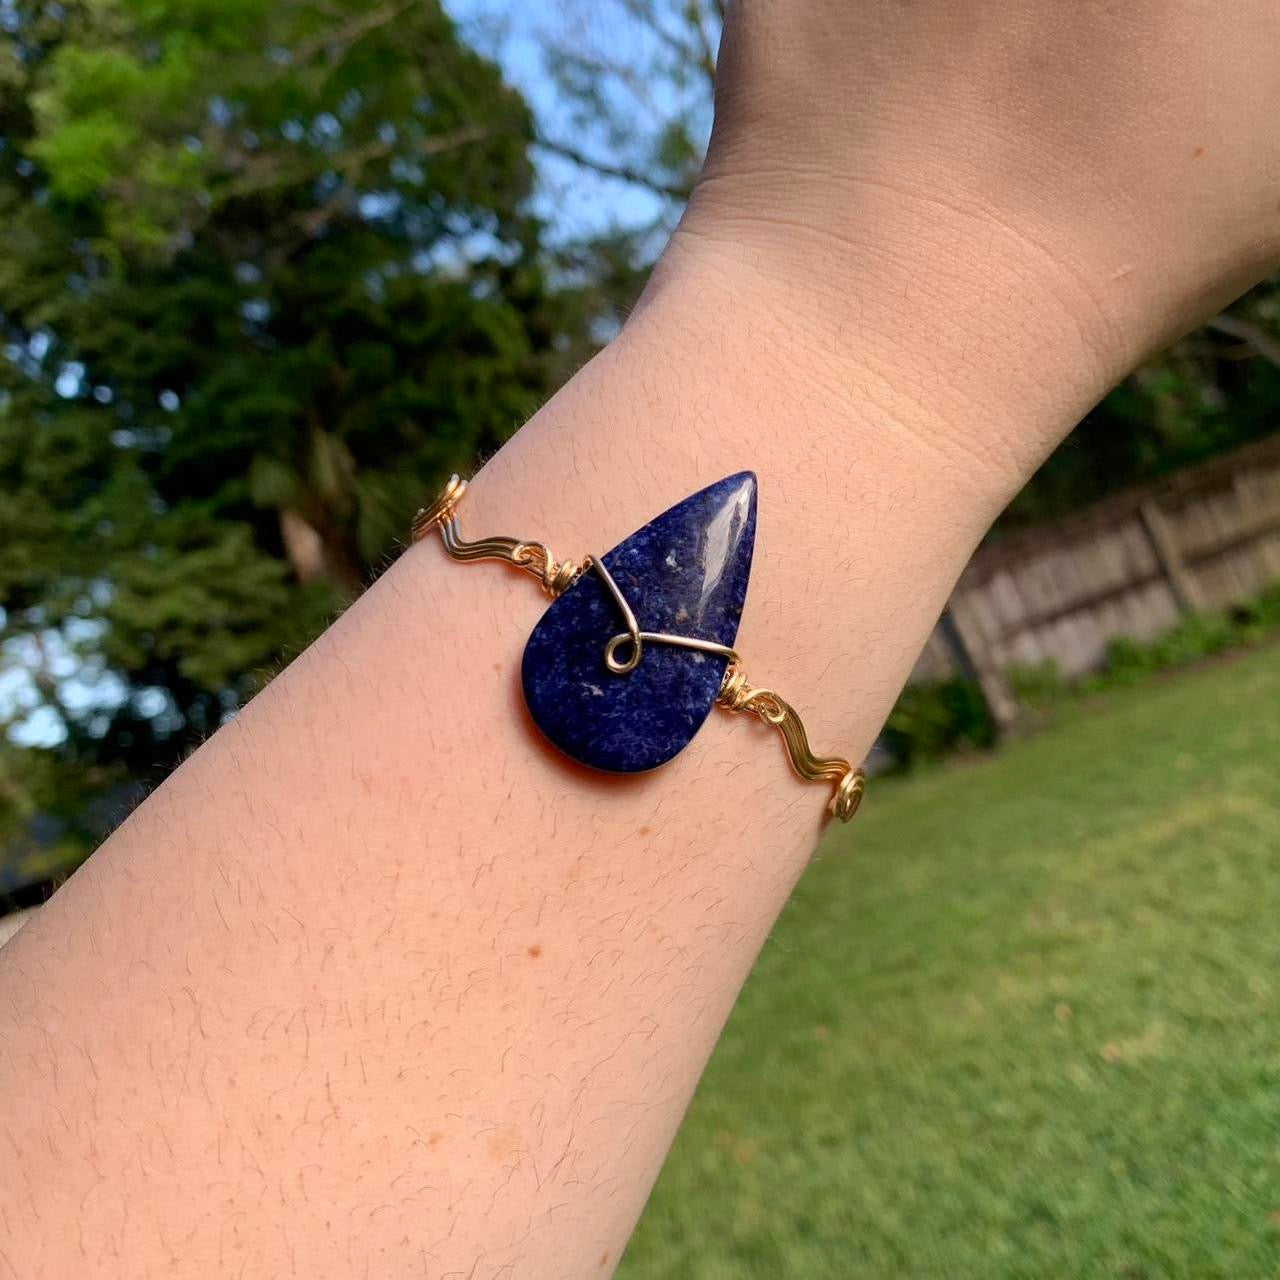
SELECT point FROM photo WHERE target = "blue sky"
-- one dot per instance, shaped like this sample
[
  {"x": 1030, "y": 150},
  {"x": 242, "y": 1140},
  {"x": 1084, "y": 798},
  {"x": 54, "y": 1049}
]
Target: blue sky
[{"x": 575, "y": 202}]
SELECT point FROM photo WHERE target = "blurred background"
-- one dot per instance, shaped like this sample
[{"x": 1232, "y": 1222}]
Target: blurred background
[{"x": 273, "y": 270}]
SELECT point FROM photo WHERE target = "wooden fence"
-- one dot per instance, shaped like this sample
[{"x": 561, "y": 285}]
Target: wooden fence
[{"x": 1203, "y": 538}]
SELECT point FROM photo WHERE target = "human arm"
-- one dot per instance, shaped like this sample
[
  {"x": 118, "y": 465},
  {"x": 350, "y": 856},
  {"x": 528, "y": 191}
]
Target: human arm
[{"x": 375, "y": 981}]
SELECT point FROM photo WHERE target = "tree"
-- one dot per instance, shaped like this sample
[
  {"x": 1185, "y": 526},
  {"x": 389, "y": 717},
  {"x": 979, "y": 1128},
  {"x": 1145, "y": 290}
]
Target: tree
[
  {"x": 1217, "y": 388},
  {"x": 272, "y": 271},
  {"x": 635, "y": 108},
  {"x": 622, "y": 93}
]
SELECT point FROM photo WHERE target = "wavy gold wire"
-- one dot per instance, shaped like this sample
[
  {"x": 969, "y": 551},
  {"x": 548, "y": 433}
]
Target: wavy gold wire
[
  {"x": 533, "y": 557},
  {"x": 735, "y": 695}
]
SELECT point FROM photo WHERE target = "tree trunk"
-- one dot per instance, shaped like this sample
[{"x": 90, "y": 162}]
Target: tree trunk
[{"x": 315, "y": 558}]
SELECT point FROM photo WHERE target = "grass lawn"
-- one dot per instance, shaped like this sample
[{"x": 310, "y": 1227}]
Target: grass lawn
[{"x": 1022, "y": 1019}]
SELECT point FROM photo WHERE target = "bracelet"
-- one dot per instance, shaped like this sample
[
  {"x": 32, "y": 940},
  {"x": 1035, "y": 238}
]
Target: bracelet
[{"x": 623, "y": 698}]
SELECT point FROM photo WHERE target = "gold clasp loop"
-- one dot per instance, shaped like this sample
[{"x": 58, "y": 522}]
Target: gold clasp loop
[{"x": 635, "y": 636}]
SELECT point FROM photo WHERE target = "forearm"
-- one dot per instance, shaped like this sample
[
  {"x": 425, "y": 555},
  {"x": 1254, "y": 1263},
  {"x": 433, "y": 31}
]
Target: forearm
[{"x": 376, "y": 980}]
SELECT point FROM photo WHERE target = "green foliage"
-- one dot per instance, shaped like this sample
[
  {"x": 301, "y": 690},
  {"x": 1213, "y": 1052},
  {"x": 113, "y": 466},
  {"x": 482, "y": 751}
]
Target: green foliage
[
  {"x": 271, "y": 273},
  {"x": 51, "y": 812},
  {"x": 935, "y": 717},
  {"x": 1038, "y": 687},
  {"x": 1191, "y": 639},
  {"x": 1195, "y": 637},
  {"x": 938, "y": 717},
  {"x": 1215, "y": 389},
  {"x": 1262, "y": 612},
  {"x": 1018, "y": 1021}
]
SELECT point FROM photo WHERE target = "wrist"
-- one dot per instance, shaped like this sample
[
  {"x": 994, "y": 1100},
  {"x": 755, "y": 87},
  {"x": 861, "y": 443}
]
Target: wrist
[
  {"x": 981, "y": 342},
  {"x": 873, "y": 491}
]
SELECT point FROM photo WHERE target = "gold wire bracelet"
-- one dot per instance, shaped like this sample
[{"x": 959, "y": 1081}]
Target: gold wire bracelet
[{"x": 735, "y": 694}]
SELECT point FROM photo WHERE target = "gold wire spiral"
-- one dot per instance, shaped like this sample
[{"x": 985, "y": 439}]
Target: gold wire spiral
[
  {"x": 735, "y": 695},
  {"x": 636, "y": 638}
]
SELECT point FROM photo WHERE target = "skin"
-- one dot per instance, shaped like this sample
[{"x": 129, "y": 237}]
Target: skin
[{"x": 377, "y": 985}]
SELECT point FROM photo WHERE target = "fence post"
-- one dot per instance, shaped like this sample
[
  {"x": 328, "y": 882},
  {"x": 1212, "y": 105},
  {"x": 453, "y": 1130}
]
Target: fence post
[
  {"x": 1168, "y": 556},
  {"x": 970, "y": 654}
]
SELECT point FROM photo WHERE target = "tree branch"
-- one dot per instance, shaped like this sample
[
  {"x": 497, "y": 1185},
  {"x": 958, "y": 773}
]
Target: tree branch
[
  {"x": 350, "y": 31},
  {"x": 265, "y": 177},
  {"x": 345, "y": 162},
  {"x": 707, "y": 57},
  {"x": 1254, "y": 335},
  {"x": 623, "y": 173},
  {"x": 684, "y": 53}
]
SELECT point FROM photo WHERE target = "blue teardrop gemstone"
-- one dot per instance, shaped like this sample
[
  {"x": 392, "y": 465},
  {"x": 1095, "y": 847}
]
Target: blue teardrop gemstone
[{"x": 685, "y": 573}]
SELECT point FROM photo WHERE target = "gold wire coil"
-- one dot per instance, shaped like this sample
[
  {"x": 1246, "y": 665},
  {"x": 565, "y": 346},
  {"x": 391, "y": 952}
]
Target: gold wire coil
[
  {"x": 439, "y": 511},
  {"x": 736, "y": 694}
]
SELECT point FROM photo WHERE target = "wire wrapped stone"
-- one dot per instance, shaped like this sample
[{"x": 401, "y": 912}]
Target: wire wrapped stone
[{"x": 592, "y": 634}]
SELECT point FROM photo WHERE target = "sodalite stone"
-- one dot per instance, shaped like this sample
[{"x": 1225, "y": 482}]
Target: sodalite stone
[{"x": 684, "y": 573}]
